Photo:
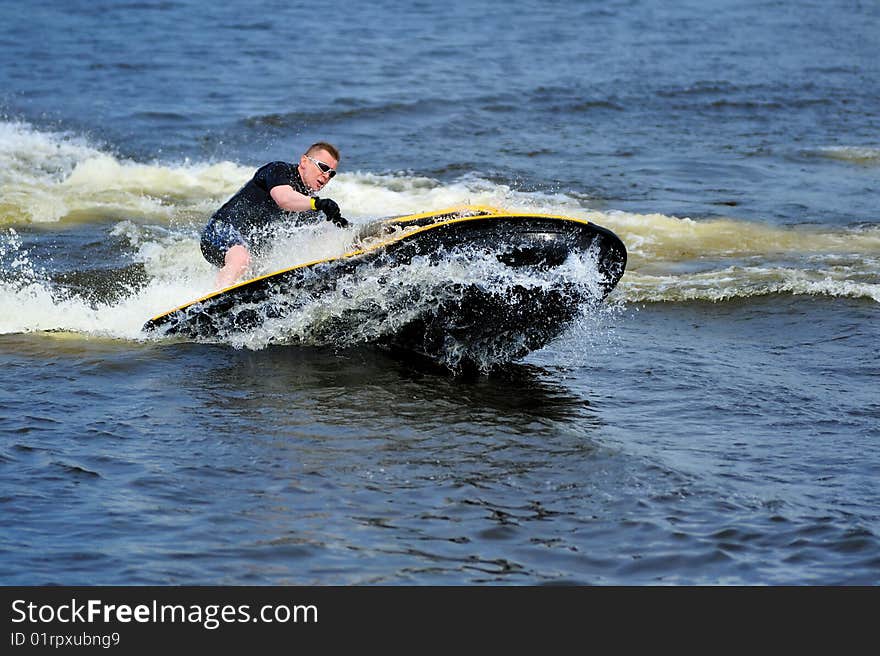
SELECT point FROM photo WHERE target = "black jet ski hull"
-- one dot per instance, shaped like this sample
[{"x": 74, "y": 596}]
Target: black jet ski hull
[{"x": 520, "y": 319}]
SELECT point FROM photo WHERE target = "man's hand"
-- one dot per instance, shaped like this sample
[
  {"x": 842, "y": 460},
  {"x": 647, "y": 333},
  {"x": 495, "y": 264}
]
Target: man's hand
[
  {"x": 340, "y": 221},
  {"x": 330, "y": 210}
]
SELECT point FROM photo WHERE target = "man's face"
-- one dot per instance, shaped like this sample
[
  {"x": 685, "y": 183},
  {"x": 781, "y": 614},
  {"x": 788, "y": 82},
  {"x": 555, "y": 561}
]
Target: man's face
[{"x": 311, "y": 172}]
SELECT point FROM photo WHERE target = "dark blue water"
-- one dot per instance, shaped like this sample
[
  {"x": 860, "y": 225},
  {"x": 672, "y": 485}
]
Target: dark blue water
[
  {"x": 717, "y": 423},
  {"x": 681, "y": 108}
]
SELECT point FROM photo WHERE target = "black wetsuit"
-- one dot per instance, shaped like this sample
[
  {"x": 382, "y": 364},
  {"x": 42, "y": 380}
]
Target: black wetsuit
[{"x": 251, "y": 215}]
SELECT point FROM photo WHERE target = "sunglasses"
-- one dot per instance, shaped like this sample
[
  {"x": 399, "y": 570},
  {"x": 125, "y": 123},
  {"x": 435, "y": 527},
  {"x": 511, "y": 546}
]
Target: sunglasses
[{"x": 325, "y": 168}]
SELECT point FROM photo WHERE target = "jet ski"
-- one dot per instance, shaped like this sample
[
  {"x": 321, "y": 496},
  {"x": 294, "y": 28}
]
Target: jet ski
[{"x": 525, "y": 301}]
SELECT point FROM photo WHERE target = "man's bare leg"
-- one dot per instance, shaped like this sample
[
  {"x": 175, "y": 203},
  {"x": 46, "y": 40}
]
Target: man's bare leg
[{"x": 237, "y": 261}]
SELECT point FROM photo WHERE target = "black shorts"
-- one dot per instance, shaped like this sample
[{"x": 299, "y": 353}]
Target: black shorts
[{"x": 217, "y": 238}]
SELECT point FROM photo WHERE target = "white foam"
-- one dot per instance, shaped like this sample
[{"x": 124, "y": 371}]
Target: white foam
[
  {"x": 159, "y": 208},
  {"x": 744, "y": 282},
  {"x": 866, "y": 155}
]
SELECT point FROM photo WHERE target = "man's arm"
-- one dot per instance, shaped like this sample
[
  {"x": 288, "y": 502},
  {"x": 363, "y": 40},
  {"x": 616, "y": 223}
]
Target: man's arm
[{"x": 287, "y": 198}]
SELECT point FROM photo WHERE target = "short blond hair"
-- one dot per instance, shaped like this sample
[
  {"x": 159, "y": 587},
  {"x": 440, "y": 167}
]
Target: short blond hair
[{"x": 323, "y": 145}]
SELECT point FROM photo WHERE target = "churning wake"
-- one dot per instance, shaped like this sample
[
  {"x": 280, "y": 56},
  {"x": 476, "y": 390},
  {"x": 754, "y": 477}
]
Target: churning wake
[{"x": 60, "y": 194}]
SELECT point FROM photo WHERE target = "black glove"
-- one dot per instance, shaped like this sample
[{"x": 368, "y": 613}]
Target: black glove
[{"x": 331, "y": 211}]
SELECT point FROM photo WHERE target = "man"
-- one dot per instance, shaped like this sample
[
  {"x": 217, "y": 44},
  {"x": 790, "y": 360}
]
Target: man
[{"x": 246, "y": 221}]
